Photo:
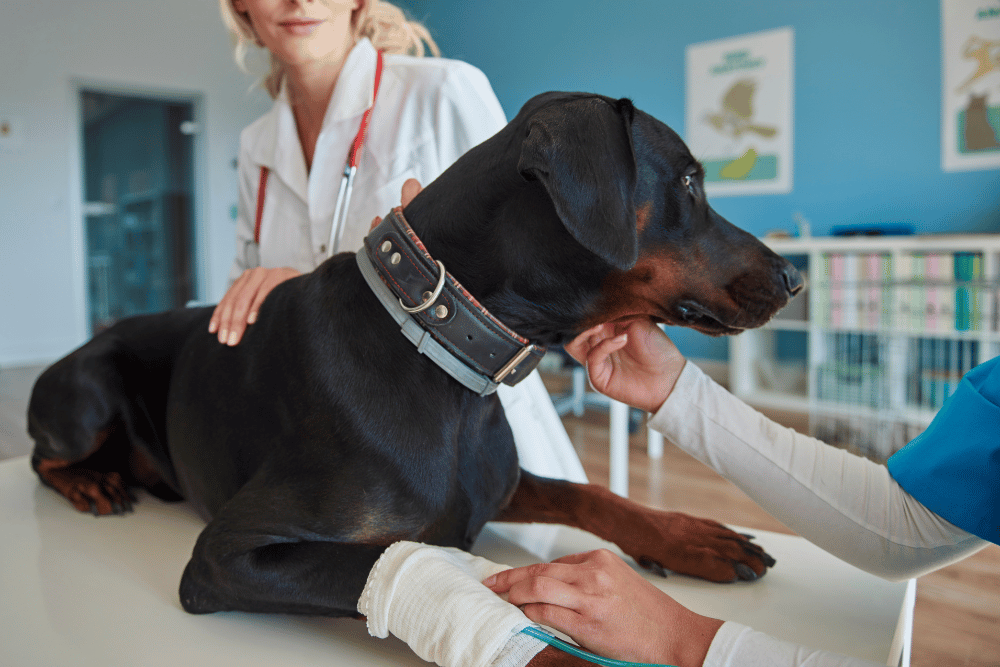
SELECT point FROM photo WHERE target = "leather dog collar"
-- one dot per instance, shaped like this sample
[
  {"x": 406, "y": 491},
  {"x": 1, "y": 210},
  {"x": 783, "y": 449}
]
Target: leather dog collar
[{"x": 438, "y": 315}]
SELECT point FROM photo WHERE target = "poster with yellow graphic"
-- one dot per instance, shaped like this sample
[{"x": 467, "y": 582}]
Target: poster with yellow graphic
[
  {"x": 970, "y": 84},
  {"x": 738, "y": 112}
]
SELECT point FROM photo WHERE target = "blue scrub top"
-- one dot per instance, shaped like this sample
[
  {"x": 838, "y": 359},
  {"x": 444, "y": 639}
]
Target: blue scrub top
[{"x": 953, "y": 467}]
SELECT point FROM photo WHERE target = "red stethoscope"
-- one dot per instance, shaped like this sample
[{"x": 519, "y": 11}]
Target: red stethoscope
[{"x": 346, "y": 181}]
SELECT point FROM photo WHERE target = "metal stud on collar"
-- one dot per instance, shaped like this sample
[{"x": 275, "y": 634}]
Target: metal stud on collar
[{"x": 433, "y": 297}]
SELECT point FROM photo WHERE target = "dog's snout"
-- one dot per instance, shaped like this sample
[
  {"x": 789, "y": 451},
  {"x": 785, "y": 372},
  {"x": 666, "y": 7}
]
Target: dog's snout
[{"x": 792, "y": 279}]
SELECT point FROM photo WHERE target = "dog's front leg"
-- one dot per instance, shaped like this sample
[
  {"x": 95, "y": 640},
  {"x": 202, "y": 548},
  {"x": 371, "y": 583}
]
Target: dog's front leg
[
  {"x": 656, "y": 539},
  {"x": 261, "y": 554},
  {"x": 246, "y": 572}
]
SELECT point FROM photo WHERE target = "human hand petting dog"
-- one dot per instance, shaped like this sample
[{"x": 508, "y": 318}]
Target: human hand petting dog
[
  {"x": 239, "y": 307},
  {"x": 633, "y": 362},
  {"x": 608, "y": 608}
]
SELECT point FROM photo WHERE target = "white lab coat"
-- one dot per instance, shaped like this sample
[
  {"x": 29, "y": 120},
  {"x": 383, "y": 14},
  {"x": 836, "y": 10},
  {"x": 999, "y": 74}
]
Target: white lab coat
[{"x": 429, "y": 111}]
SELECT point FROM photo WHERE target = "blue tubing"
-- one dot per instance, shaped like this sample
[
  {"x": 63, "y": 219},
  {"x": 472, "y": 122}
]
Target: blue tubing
[{"x": 552, "y": 640}]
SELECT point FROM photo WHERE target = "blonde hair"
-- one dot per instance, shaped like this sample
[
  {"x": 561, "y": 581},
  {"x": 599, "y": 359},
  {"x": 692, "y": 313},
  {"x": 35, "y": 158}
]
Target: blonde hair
[{"x": 381, "y": 22}]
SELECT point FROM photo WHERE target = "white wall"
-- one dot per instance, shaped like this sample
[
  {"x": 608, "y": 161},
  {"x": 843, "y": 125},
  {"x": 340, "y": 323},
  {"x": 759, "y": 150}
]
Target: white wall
[{"x": 48, "y": 48}]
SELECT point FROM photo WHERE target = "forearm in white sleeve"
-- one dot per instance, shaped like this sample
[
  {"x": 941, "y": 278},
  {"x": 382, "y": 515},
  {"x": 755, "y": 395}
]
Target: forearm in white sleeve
[
  {"x": 737, "y": 645},
  {"x": 844, "y": 503},
  {"x": 433, "y": 599}
]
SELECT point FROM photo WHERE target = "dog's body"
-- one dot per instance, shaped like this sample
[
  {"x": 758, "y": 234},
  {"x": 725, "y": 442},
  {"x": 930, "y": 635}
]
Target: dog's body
[{"x": 323, "y": 436}]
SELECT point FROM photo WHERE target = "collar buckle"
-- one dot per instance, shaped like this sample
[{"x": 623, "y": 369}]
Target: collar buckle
[{"x": 459, "y": 335}]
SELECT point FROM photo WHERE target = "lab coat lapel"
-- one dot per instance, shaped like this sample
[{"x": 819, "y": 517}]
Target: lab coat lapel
[
  {"x": 356, "y": 86},
  {"x": 289, "y": 161},
  {"x": 277, "y": 147}
]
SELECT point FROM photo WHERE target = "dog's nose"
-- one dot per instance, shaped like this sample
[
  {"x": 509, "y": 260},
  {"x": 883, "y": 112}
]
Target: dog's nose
[{"x": 792, "y": 278}]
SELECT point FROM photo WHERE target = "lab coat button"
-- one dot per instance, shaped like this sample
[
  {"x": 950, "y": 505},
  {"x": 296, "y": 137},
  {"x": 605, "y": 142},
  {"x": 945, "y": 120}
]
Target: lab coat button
[{"x": 322, "y": 248}]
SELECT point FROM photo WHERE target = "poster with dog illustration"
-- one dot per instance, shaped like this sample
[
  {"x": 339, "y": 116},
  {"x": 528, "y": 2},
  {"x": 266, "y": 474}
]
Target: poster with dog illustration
[
  {"x": 970, "y": 93},
  {"x": 738, "y": 112}
]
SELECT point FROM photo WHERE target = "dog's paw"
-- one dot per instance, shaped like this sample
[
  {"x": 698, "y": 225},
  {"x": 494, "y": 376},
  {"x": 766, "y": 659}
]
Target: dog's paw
[
  {"x": 674, "y": 542},
  {"x": 97, "y": 492}
]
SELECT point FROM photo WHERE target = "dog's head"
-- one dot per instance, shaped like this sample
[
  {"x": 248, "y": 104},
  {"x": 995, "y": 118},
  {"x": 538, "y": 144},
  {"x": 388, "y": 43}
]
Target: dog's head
[
  {"x": 627, "y": 188},
  {"x": 605, "y": 219}
]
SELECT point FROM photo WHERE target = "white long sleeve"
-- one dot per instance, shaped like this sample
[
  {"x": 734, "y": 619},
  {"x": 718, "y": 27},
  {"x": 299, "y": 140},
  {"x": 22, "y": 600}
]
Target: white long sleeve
[
  {"x": 737, "y": 645},
  {"x": 846, "y": 504}
]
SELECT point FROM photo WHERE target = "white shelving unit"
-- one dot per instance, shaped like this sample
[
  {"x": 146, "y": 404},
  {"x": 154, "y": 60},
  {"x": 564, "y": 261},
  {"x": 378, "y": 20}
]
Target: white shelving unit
[{"x": 879, "y": 338}]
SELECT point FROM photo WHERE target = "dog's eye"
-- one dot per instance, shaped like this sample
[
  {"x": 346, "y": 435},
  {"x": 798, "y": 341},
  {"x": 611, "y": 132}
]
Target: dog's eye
[{"x": 689, "y": 183}]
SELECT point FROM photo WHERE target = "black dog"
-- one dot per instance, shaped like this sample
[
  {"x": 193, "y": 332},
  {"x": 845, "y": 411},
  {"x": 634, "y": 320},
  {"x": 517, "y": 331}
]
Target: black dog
[{"x": 323, "y": 437}]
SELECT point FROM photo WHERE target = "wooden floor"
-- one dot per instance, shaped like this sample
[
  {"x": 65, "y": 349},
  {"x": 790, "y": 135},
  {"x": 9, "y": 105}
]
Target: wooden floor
[
  {"x": 957, "y": 618},
  {"x": 957, "y": 615}
]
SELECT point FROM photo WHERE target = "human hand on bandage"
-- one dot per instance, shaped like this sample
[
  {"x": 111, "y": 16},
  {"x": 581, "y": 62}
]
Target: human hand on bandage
[
  {"x": 432, "y": 598},
  {"x": 608, "y": 608}
]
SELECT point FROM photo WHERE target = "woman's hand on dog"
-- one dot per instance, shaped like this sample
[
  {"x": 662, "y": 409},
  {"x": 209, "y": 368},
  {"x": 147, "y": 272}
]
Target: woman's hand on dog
[
  {"x": 239, "y": 307},
  {"x": 633, "y": 362},
  {"x": 608, "y": 608}
]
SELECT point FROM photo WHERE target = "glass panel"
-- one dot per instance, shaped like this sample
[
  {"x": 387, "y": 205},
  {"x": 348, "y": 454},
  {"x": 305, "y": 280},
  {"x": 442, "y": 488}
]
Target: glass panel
[{"x": 138, "y": 186}]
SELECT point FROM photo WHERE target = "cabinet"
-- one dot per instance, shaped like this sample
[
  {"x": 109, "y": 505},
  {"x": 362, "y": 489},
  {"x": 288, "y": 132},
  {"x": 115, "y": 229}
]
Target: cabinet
[{"x": 879, "y": 338}]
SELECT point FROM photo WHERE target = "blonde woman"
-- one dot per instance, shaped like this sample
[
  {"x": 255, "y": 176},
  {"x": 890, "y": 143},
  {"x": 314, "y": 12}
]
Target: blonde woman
[
  {"x": 323, "y": 58},
  {"x": 426, "y": 113}
]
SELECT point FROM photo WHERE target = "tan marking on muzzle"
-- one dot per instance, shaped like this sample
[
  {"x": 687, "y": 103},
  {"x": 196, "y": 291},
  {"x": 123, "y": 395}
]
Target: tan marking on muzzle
[{"x": 645, "y": 290}]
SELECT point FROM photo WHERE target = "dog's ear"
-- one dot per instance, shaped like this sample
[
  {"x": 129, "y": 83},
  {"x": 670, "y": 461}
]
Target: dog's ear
[{"x": 581, "y": 151}]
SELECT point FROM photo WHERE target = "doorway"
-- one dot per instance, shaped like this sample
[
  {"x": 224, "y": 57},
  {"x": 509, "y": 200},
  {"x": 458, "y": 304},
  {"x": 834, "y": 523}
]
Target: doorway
[{"x": 138, "y": 175}]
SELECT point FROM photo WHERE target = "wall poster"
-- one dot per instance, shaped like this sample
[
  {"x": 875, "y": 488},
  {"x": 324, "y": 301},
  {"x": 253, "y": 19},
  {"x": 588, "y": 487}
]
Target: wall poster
[
  {"x": 738, "y": 112},
  {"x": 970, "y": 84}
]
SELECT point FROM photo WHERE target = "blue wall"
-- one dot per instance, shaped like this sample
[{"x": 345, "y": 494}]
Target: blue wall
[{"x": 867, "y": 97}]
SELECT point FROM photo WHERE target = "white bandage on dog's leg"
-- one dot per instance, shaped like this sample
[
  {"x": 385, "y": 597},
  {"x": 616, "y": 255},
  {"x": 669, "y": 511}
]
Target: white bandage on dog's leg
[{"x": 434, "y": 600}]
